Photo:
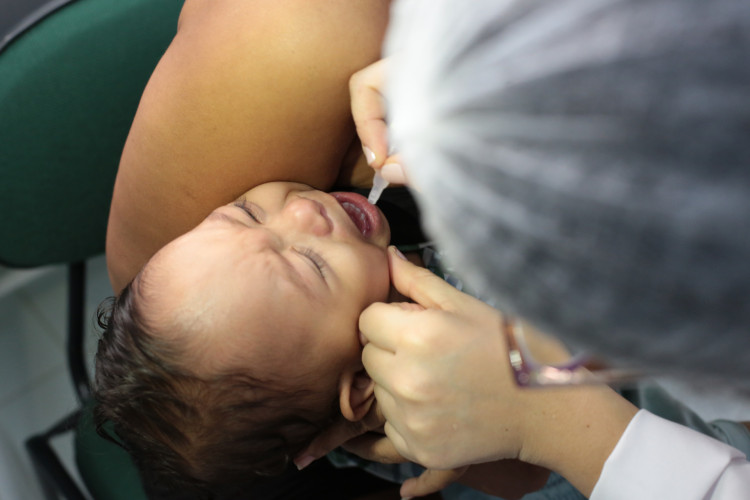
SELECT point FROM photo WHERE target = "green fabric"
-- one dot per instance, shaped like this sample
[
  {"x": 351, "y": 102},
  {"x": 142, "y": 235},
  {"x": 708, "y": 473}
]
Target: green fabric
[
  {"x": 69, "y": 88},
  {"x": 68, "y": 93},
  {"x": 107, "y": 469}
]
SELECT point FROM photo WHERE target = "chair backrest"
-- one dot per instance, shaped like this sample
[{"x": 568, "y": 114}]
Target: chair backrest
[
  {"x": 69, "y": 87},
  {"x": 70, "y": 83}
]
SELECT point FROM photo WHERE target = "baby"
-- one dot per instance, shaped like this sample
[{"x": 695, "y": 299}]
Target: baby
[{"x": 238, "y": 343}]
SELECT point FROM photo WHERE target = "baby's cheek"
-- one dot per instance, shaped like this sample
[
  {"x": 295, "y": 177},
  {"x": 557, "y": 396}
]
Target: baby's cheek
[
  {"x": 381, "y": 284},
  {"x": 373, "y": 283},
  {"x": 383, "y": 276}
]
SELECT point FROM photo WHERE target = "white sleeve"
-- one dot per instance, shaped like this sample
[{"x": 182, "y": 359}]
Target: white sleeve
[{"x": 658, "y": 459}]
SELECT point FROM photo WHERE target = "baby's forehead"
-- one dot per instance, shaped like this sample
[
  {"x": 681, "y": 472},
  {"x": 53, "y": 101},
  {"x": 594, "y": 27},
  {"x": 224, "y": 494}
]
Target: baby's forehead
[
  {"x": 271, "y": 346},
  {"x": 260, "y": 319}
]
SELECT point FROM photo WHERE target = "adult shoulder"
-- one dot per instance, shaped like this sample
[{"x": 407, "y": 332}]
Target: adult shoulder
[{"x": 248, "y": 91}]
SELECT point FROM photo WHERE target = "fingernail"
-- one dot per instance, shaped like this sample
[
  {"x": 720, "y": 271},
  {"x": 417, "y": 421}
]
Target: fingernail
[
  {"x": 303, "y": 462},
  {"x": 406, "y": 498},
  {"x": 398, "y": 253},
  {"x": 369, "y": 155},
  {"x": 393, "y": 172}
]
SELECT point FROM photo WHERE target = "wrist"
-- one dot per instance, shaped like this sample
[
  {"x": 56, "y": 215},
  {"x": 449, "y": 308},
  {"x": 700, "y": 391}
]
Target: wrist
[{"x": 574, "y": 430}]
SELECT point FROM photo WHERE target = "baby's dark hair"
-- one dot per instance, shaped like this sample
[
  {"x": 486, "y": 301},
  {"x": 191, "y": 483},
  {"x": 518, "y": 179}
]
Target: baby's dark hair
[{"x": 199, "y": 435}]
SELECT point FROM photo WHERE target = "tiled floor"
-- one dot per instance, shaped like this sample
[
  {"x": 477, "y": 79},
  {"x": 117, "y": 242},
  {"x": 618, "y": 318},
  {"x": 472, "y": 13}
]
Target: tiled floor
[{"x": 35, "y": 390}]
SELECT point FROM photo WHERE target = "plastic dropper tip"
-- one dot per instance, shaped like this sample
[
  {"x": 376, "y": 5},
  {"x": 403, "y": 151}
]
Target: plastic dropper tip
[{"x": 378, "y": 185}]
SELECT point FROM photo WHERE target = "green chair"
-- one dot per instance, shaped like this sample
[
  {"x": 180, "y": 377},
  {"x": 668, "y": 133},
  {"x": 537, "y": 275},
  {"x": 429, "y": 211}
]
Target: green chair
[{"x": 71, "y": 76}]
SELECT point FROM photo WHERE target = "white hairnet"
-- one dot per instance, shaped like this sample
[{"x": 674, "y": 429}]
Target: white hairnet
[{"x": 587, "y": 164}]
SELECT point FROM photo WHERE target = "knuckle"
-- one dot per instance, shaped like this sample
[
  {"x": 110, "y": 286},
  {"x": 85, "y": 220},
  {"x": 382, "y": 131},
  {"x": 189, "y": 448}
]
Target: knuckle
[
  {"x": 425, "y": 335},
  {"x": 418, "y": 339},
  {"x": 420, "y": 430},
  {"x": 411, "y": 390}
]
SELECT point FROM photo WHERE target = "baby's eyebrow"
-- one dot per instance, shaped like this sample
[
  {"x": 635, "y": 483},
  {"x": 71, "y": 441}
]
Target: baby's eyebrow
[
  {"x": 296, "y": 278},
  {"x": 222, "y": 216},
  {"x": 291, "y": 273}
]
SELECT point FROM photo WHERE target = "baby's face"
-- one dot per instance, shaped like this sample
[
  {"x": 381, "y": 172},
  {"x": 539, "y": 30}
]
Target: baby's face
[{"x": 276, "y": 280}]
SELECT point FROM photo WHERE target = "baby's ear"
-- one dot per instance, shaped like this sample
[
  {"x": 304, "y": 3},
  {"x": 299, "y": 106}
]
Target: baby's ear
[{"x": 356, "y": 394}]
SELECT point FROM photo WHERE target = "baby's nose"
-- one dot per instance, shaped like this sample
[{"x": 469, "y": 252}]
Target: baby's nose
[{"x": 308, "y": 216}]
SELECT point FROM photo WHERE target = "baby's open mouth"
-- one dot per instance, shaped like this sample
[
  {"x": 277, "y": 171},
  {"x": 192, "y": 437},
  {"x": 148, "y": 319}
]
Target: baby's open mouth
[{"x": 364, "y": 215}]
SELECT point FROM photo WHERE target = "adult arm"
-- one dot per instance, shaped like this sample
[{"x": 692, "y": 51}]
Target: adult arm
[{"x": 248, "y": 91}]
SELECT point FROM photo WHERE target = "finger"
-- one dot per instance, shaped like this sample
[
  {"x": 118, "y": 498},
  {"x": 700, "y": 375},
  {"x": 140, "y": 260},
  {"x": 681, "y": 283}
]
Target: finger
[
  {"x": 368, "y": 111},
  {"x": 381, "y": 365},
  {"x": 383, "y": 324},
  {"x": 397, "y": 440},
  {"x": 328, "y": 440},
  {"x": 430, "y": 481},
  {"x": 374, "y": 419},
  {"x": 393, "y": 170},
  {"x": 337, "y": 434},
  {"x": 422, "y": 286},
  {"x": 374, "y": 447}
]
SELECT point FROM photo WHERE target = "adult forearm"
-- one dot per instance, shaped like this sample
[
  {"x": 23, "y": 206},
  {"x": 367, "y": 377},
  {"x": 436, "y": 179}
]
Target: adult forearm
[{"x": 575, "y": 430}]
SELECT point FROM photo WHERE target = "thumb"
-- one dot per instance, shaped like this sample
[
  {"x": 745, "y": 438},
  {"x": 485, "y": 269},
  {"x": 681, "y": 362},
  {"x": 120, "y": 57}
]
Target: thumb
[
  {"x": 430, "y": 481},
  {"x": 393, "y": 171},
  {"x": 421, "y": 285},
  {"x": 375, "y": 448},
  {"x": 368, "y": 111}
]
